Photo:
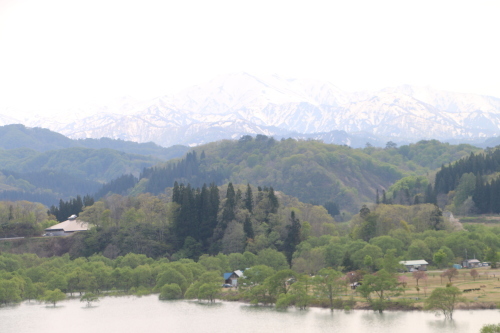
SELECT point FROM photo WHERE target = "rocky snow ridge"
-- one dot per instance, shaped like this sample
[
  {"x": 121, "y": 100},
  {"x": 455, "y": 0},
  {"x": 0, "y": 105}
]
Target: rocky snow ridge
[{"x": 238, "y": 104}]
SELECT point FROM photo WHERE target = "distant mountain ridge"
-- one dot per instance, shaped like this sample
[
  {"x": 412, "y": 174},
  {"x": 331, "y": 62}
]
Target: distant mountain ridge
[
  {"x": 240, "y": 104},
  {"x": 41, "y": 139}
]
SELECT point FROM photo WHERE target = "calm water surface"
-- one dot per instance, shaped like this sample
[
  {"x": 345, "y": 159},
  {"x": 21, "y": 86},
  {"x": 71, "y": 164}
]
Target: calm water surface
[{"x": 148, "y": 314}]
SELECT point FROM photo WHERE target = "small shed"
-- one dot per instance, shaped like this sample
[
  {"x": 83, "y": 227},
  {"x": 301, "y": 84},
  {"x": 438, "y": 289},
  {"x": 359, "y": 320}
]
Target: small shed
[
  {"x": 68, "y": 227},
  {"x": 471, "y": 263},
  {"x": 415, "y": 265}
]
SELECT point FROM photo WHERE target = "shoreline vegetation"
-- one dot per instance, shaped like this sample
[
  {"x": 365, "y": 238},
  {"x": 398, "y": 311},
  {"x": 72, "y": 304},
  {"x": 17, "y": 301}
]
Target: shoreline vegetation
[{"x": 29, "y": 277}]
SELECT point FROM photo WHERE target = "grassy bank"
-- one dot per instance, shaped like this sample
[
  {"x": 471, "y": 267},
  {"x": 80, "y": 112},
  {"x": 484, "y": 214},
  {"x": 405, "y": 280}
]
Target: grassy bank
[{"x": 487, "y": 297}]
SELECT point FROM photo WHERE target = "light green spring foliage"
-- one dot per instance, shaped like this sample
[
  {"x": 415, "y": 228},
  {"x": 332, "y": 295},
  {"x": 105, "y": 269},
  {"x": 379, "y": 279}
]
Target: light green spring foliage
[
  {"x": 207, "y": 286},
  {"x": 170, "y": 291},
  {"x": 328, "y": 284},
  {"x": 89, "y": 298},
  {"x": 444, "y": 300},
  {"x": 490, "y": 328},
  {"x": 53, "y": 296},
  {"x": 23, "y": 218},
  {"x": 376, "y": 288}
]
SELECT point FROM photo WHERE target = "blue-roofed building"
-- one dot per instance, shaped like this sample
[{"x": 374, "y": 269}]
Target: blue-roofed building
[{"x": 232, "y": 278}]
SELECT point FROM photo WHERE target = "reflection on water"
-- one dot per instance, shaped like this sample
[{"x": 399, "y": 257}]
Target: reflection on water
[
  {"x": 439, "y": 324},
  {"x": 385, "y": 319},
  {"x": 148, "y": 314}
]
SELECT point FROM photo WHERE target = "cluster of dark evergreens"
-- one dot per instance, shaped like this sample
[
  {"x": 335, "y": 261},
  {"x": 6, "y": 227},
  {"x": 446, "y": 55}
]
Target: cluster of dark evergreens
[
  {"x": 472, "y": 177},
  {"x": 71, "y": 207},
  {"x": 448, "y": 178},
  {"x": 197, "y": 213},
  {"x": 486, "y": 196},
  {"x": 408, "y": 196},
  {"x": 194, "y": 221}
]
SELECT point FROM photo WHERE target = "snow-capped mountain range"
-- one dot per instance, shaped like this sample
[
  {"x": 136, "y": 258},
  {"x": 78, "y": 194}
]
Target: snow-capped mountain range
[{"x": 239, "y": 104}]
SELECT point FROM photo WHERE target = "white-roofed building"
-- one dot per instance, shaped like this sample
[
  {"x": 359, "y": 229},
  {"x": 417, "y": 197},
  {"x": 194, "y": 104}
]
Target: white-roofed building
[
  {"x": 415, "y": 265},
  {"x": 71, "y": 225}
]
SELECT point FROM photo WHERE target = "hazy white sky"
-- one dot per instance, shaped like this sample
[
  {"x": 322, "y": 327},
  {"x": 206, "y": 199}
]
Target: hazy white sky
[{"x": 58, "y": 53}]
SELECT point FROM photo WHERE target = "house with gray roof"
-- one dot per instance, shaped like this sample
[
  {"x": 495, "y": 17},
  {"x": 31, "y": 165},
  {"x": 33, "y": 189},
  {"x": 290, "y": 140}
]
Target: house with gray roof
[{"x": 471, "y": 263}]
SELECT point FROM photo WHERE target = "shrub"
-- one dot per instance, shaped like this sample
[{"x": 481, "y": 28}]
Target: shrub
[{"x": 170, "y": 291}]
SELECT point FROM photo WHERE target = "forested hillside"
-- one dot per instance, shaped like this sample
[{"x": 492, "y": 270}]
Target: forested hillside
[
  {"x": 100, "y": 165},
  {"x": 331, "y": 175},
  {"x": 60, "y": 174},
  {"x": 423, "y": 156},
  {"x": 309, "y": 170}
]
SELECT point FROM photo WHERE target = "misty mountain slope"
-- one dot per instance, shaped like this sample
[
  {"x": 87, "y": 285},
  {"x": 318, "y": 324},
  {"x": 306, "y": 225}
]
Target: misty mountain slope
[{"x": 16, "y": 136}]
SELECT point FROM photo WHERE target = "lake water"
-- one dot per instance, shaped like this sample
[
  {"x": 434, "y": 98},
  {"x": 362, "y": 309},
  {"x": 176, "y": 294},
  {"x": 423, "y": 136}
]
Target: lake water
[{"x": 148, "y": 314}]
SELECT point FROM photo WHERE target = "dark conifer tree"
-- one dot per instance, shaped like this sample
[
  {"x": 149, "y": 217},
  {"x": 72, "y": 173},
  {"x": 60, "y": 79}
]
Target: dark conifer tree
[
  {"x": 436, "y": 219},
  {"x": 248, "y": 228},
  {"x": 260, "y": 195},
  {"x": 176, "y": 195},
  {"x": 88, "y": 201},
  {"x": 229, "y": 206},
  {"x": 364, "y": 211},
  {"x": 416, "y": 200},
  {"x": 238, "y": 198},
  {"x": 332, "y": 208},
  {"x": 407, "y": 197},
  {"x": 249, "y": 199},
  {"x": 479, "y": 196},
  {"x": 273, "y": 201},
  {"x": 430, "y": 195},
  {"x": 185, "y": 223},
  {"x": 293, "y": 237}
]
